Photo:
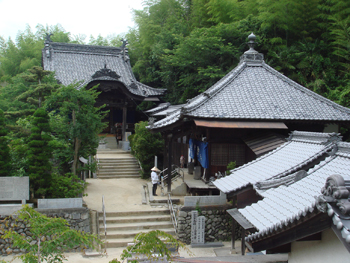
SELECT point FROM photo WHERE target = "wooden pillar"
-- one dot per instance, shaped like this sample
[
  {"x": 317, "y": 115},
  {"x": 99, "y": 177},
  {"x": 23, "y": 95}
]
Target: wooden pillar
[
  {"x": 208, "y": 173},
  {"x": 170, "y": 159},
  {"x": 124, "y": 123},
  {"x": 243, "y": 242},
  {"x": 233, "y": 234},
  {"x": 111, "y": 122}
]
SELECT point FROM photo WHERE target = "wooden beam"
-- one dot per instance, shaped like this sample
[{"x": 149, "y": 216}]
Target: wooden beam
[
  {"x": 170, "y": 160},
  {"x": 315, "y": 224},
  {"x": 233, "y": 234}
]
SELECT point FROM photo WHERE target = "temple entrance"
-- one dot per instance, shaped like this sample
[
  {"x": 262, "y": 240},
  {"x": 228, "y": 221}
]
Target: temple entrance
[
  {"x": 121, "y": 106},
  {"x": 114, "y": 120}
]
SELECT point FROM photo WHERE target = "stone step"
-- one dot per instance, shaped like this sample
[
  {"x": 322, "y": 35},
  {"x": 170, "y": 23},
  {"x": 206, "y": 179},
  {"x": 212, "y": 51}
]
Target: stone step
[
  {"x": 123, "y": 226},
  {"x": 118, "y": 172},
  {"x": 118, "y": 176},
  {"x": 119, "y": 168},
  {"x": 113, "y": 235},
  {"x": 135, "y": 213},
  {"x": 122, "y": 166},
  {"x": 136, "y": 226},
  {"x": 118, "y": 161},
  {"x": 133, "y": 219}
]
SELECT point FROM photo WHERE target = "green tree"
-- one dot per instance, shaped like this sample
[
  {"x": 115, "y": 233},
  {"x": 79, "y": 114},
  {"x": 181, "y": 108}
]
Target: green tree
[
  {"x": 152, "y": 245},
  {"x": 39, "y": 153},
  {"x": 145, "y": 145},
  {"x": 61, "y": 238},
  {"x": 38, "y": 90},
  {"x": 5, "y": 158},
  {"x": 22, "y": 55},
  {"x": 76, "y": 123},
  {"x": 66, "y": 186},
  {"x": 16, "y": 57}
]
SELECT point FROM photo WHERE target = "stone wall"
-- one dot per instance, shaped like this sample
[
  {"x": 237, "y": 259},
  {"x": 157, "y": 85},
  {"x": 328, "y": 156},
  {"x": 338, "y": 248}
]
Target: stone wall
[
  {"x": 218, "y": 223},
  {"x": 77, "y": 218}
]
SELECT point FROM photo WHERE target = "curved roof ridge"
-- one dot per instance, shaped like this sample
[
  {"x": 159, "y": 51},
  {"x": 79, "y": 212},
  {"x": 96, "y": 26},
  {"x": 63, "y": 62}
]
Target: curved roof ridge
[
  {"x": 305, "y": 207},
  {"x": 148, "y": 87},
  {"x": 315, "y": 137},
  {"x": 304, "y": 89},
  {"x": 72, "y": 47}
]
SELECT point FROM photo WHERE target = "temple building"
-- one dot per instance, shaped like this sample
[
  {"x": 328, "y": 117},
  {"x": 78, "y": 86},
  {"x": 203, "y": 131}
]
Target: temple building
[
  {"x": 108, "y": 67},
  {"x": 246, "y": 114},
  {"x": 299, "y": 205}
]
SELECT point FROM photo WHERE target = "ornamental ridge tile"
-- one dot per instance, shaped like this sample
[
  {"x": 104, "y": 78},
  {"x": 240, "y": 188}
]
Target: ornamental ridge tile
[{"x": 298, "y": 198}]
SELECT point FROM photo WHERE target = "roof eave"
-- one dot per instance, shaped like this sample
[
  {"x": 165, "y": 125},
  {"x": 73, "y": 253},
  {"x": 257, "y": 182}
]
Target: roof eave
[{"x": 310, "y": 224}]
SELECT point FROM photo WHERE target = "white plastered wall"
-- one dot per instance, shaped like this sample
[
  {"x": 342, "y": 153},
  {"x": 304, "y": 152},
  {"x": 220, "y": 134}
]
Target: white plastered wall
[
  {"x": 331, "y": 128},
  {"x": 329, "y": 249}
]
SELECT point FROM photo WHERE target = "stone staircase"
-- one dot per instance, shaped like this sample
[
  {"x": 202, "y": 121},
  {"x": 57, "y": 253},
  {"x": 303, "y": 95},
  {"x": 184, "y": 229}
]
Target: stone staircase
[
  {"x": 122, "y": 227},
  {"x": 118, "y": 168},
  {"x": 114, "y": 162}
]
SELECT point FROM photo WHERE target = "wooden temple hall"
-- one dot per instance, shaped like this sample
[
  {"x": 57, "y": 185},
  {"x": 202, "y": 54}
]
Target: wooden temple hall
[
  {"x": 249, "y": 112},
  {"x": 108, "y": 67}
]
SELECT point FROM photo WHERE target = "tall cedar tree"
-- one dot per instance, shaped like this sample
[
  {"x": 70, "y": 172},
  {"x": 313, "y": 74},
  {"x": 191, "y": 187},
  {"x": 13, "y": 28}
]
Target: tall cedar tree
[
  {"x": 39, "y": 153},
  {"x": 5, "y": 159}
]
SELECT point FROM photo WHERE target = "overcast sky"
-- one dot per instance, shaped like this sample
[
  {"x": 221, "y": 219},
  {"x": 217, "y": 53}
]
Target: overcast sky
[{"x": 105, "y": 17}]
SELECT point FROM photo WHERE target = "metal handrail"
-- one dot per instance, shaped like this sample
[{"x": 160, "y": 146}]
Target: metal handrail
[
  {"x": 104, "y": 220},
  {"x": 98, "y": 166},
  {"x": 163, "y": 171},
  {"x": 176, "y": 169},
  {"x": 172, "y": 212},
  {"x": 164, "y": 178}
]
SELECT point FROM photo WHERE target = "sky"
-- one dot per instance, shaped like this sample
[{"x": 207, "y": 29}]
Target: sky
[{"x": 105, "y": 17}]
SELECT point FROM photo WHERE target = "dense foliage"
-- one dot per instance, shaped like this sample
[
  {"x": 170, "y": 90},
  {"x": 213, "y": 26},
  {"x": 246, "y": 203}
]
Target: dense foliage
[
  {"x": 5, "y": 159},
  {"x": 144, "y": 146},
  {"x": 76, "y": 123},
  {"x": 39, "y": 153},
  {"x": 186, "y": 46},
  {"x": 50, "y": 126}
]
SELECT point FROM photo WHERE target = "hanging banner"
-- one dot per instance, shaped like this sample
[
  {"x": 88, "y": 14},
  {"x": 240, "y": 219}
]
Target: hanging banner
[{"x": 199, "y": 151}]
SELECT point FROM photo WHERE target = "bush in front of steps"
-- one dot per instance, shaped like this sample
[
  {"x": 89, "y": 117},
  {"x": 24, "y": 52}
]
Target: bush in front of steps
[
  {"x": 154, "y": 245},
  {"x": 144, "y": 146}
]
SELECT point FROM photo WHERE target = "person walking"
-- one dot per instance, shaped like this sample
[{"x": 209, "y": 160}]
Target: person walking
[
  {"x": 155, "y": 179},
  {"x": 182, "y": 161}
]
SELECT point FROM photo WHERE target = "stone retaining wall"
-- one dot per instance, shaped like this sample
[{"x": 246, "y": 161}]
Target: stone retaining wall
[
  {"x": 77, "y": 218},
  {"x": 218, "y": 223}
]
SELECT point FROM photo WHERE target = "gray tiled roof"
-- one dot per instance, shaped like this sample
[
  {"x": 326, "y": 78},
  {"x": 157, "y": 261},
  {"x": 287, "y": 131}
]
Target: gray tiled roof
[
  {"x": 160, "y": 107},
  {"x": 301, "y": 149},
  {"x": 255, "y": 91},
  {"x": 72, "y": 62},
  {"x": 284, "y": 205},
  {"x": 167, "y": 111}
]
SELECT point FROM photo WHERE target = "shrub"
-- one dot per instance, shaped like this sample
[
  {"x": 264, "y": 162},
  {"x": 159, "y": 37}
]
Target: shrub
[{"x": 144, "y": 146}]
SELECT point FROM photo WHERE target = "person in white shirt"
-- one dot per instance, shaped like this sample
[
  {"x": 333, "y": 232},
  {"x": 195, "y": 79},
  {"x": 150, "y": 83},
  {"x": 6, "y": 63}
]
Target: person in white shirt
[{"x": 155, "y": 179}]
